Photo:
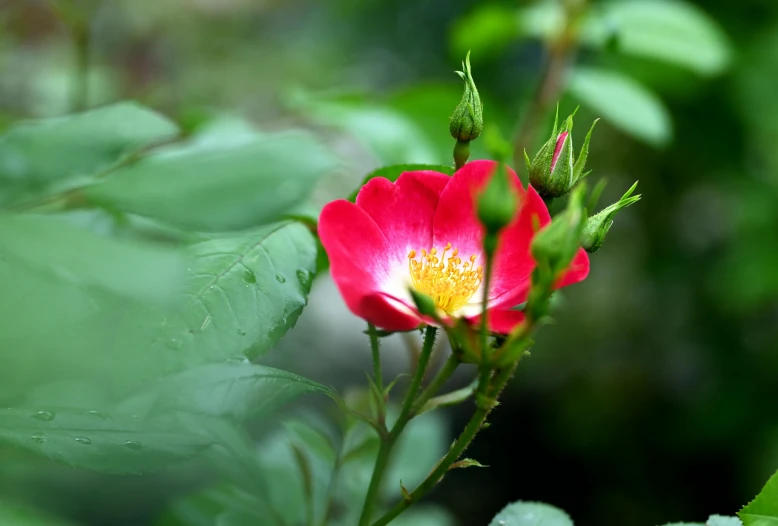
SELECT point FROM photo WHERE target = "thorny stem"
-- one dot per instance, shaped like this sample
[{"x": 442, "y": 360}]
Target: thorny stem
[
  {"x": 388, "y": 442},
  {"x": 489, "y": 392},
  {"x": 443, "y": 375},
  {"x": 560, "y": 52}
]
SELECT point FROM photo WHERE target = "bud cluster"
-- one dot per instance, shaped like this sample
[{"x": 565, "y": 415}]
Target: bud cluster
[{"x": 554, "y": 171}]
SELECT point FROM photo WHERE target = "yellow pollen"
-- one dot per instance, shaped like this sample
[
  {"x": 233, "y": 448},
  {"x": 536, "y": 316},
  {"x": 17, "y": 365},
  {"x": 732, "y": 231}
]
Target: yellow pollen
[{"x": 445, "y": 279}]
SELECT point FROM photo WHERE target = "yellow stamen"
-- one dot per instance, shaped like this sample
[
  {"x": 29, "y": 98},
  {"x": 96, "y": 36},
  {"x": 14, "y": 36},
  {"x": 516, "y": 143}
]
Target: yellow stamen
[{"x": 445, "y": 279}]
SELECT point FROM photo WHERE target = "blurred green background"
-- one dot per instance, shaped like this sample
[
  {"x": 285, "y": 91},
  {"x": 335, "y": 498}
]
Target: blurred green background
[{"x": 653, "y": 398}]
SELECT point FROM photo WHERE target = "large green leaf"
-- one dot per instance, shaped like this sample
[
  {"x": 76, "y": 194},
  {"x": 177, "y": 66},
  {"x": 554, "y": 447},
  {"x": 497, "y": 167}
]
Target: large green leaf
[
  {"x": 721, "y": 520},
  {"x": 531, "y": 514},
  {"x": 623, "y": 103},
  {"x": 763, "y": 510},
  {"x": 217, "y": 186},
  {"x": 237, "y": 390},
  {"x": 394, "y": 171},
  {"x": 37, "y": 153},
  {"x": 16, "y": 515},
  {"x": 110, "y": 443},
  {"x": 242, "y": 293},
  {"x": 672, "y": 31},
  {"x": 51, "y": 248}
]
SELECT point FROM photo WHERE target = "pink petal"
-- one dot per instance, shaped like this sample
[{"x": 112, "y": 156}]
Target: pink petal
[
  {"x": 455, "y": 219},
  {"x": 356, "y": 248},
  {"x": 560, "y": 142},
  {"x": 500, "y": 321},
  {"x": 403, "y": 210},
  {"x": 388, "y": 313},
  {"x": 578, "y": 270},
  {"x": 513, "y": 262}
]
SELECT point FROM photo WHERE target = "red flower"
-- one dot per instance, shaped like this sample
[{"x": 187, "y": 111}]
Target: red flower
[{"x": 422, "y": 232}]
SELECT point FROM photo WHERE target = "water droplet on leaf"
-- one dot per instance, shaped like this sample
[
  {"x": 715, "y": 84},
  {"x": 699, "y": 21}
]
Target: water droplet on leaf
[
  {"x": 83, "y": 440},
  {"x": 131, "y": 444},
  {"x": 280, "y": 278},
  {"x": 304, "y": 276},
  {"x": 98, "y": 414},
  {"x": 249, "y": 277},
  {"x": 38, "y": 438},
  {"x": 241, "y": 332},
  {"x": 45, "y": 416}
]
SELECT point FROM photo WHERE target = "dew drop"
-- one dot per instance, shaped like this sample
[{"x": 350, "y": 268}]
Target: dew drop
[
  {"x": 38, "y": 438},
  {"x": 83, "y": 440},
  {"x": 241, "y": 332},
  {"x": 249, "y": 277},
  {"x": 131, "y": 444},
  {"x": 98, "y": 414},
  {"x": 46, "y": 416},
  {"x": 174, "y": 344},
  {"x": 280, "y": 278},
  {"x": 304, "y": 276}
]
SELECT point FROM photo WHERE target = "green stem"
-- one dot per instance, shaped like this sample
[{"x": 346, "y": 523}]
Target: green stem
[
  {"x": 375, "y": 350},
  {"x": 389, "y": 441},
  {"x": 443, "y": 375},
  {"x": 464, "y": 440}
]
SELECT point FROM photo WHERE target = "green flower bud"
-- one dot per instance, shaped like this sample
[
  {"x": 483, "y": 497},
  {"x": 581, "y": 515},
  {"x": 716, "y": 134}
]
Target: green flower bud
[
  {"x": 554, "y": 171},
  {"x": 424, "y": 303},
  {"x": 467, "y": 121},
  {"x": 598, "y": 225},
  {"x": 497, "y": 203},
  {"x": 555, "y": 246}
]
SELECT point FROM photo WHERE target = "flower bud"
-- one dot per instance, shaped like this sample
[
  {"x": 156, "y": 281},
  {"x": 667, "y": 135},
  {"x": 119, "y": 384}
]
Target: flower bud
[
  {"x": 598, "y": 225},
  {"x": 424, "y": 303},
  {"x": 555, "y": 246},
  {"x": 554, "y": 171},
  {"x": 497, "y": 203},
  {"x": 467, "y": 121}
]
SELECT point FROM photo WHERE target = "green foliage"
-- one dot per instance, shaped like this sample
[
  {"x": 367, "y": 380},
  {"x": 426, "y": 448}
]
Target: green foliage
[
  {"x": 36, "y": 155},
  {"x": 392, "y": 172},
  {"x": 112, "y": 443},
  {"x": 220, "y": 187},
  {"x": 237, "y": 390},
  {"x": 720, "y": 520},
  {"x": 531, "y": 514},
  {"x": 48, "y": 247},
  {"x": 242, "y": 293},
  {"x": 21, "y": 516},
  {"x": 763, "y": 510},
  {"x": 670, "y": 31},
  {"x": 623, "y": 103}
]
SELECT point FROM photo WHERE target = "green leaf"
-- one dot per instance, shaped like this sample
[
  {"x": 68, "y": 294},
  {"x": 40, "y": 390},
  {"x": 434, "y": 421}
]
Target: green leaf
[
  {"x": 237, "y": 390},
  {"x": 35, "y": 154},
  {"x": 16, "y": 515},
  {"x": 467, "y": 463},
  {"x": 623, "y": 103},
  {"x": 315, "y": 440},
  {"x": 485, "y": 32},
  {"x": 531, "y": 514},
  {"x": 218, "y": 186},
  {"x": 390, "y": 135},
  {"x": 672, "y": 31},
  {"x": 763, "y": 510},
  {"x": 243, "y": 292},
  {"x": 110, "y": 443},
  {"x": 452, "y": 398},
  {"x": 394, "y": 171},
  {"x": 720, "y": 520},
  {"x": 55, "y": 250}
]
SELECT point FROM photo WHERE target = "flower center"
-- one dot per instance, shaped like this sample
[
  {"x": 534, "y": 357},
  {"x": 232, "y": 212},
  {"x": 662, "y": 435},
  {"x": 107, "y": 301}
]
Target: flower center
[{"x": 448, "y": 281}]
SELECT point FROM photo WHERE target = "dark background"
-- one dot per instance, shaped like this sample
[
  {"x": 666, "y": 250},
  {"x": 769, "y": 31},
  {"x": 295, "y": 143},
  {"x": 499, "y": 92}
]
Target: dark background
[{"x": 653, "y": 397}]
